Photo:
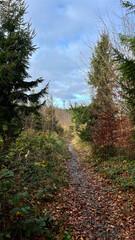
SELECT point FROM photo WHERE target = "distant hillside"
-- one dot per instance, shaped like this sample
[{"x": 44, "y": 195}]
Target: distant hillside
[{"x": 64, "y": 117}]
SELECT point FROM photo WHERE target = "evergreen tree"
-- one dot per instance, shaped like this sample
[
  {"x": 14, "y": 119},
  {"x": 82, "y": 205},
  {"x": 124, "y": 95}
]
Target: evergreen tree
[
  {"x": 89, "y": 119},
  {"x": 101, "y": 70},
  {"x": 101, "y": 76},
  {"x": 16, "y": 48},
  {"x": 127, "y": 64},
  {"x": 101, "y": 124},
  {"x": 97, "y": 121},
  {"x": 84, "y": 117}
]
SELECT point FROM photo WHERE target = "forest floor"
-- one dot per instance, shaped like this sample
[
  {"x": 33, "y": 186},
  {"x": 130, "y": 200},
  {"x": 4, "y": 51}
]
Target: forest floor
[{"x": 88, "y": 210}]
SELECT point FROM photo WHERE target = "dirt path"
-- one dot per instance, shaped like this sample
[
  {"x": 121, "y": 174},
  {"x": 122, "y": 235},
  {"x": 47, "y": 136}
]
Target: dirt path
[{"x": 93, "y": 213}]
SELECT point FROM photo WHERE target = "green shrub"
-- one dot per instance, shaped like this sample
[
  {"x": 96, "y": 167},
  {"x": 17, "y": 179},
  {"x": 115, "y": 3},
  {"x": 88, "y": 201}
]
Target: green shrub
[
  {"x": 31, "y": 173},
  {"x": 104, "y": 152}
]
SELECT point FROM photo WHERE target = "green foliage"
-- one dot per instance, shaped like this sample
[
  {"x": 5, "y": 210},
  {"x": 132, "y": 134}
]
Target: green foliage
[
  {"x": 96, "y": 122},
  {"x": 16, "y": 49},
  {"x": 84, "y": 117},
  {"x": 128, "y": 5},
  {"x": 127, "y": 65},
  {"x": 31, "y": 174},
  {"x": 104, "y": 151},
  {"x": 66, "y": 235},
  {"x": 127, "y": 68},
  {"x": 117, "y": 170},
  {"x": 101, "y": 67}
]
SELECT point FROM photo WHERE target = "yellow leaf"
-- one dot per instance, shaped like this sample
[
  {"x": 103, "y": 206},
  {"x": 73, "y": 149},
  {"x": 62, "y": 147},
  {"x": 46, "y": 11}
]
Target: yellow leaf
[
  {"x": 12, "y": 217},
  {"x": 18, "y": 213}
]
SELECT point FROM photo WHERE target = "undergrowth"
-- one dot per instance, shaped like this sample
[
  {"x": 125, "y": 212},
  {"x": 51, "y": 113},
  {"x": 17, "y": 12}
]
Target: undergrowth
[
  {"x": 31, "y": 175},
  {"x": 118, "y": 170}
]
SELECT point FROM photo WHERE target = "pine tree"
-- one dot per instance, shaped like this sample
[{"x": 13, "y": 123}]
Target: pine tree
[{"x": 16, "y": 48}]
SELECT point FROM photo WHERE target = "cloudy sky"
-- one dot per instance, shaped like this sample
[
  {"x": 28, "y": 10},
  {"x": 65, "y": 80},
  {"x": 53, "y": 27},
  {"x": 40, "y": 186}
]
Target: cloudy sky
[{"x": 63, "y": 29}]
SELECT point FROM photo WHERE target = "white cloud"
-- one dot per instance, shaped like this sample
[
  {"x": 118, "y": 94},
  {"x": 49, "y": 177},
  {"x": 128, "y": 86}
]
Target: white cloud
[{"x": 62, "y": 26}]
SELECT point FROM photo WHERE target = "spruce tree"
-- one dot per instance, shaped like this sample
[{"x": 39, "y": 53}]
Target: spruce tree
[
  {"x": 101, "y": 76},
  {"x": 16, "y": 48},
  {"x": 127, "y": 64},
  {"x": 101, "y": 70},
  {"x": 90, "y": 119}
]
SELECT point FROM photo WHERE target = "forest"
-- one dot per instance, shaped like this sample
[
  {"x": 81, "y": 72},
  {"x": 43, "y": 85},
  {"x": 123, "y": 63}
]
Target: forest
[{"x": 67, "y": 173}]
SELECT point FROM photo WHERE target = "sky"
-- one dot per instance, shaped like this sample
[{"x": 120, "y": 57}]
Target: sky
[{"x": 64, "y": 29}]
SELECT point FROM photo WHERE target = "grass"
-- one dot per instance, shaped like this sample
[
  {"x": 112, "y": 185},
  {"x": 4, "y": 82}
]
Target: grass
[{"x": 80, "y": 146}]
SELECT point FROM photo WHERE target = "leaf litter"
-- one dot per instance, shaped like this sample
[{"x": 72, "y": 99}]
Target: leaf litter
[{"x": 87, "y": 210}]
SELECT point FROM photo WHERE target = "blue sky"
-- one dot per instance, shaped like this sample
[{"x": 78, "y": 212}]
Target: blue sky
[{"x": 63, "y": 27}]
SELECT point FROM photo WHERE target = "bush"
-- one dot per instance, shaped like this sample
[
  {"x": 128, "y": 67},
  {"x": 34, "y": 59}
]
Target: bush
[
  {"x": 31, "y": 173},
  {"x": 104, "y": 152}
]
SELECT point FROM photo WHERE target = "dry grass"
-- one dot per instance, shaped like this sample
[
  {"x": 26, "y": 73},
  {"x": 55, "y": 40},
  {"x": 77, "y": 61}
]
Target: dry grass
[{"x": 80, "y": 146}]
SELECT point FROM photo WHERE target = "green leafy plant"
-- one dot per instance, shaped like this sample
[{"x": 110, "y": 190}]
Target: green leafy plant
[{"x": 31, "y": 174}]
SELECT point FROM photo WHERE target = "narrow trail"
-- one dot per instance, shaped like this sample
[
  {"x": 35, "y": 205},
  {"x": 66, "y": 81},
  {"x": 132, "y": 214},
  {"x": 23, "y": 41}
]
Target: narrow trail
[{"x": 93, "y": 213}]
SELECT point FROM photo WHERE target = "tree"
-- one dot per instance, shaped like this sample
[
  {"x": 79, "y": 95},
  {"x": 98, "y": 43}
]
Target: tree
[
  {"x": 101, "y": 72},
  {"x": 84, "y": 117},
  {"x": 16, "y": 48},
  {"x": 95, "y": 122},
  {"x": 101, "y": 78},
  {"x": 130, "y": 6},
  {"x": 127, "y": 64},
  {"x": 49, "y": 120}
]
